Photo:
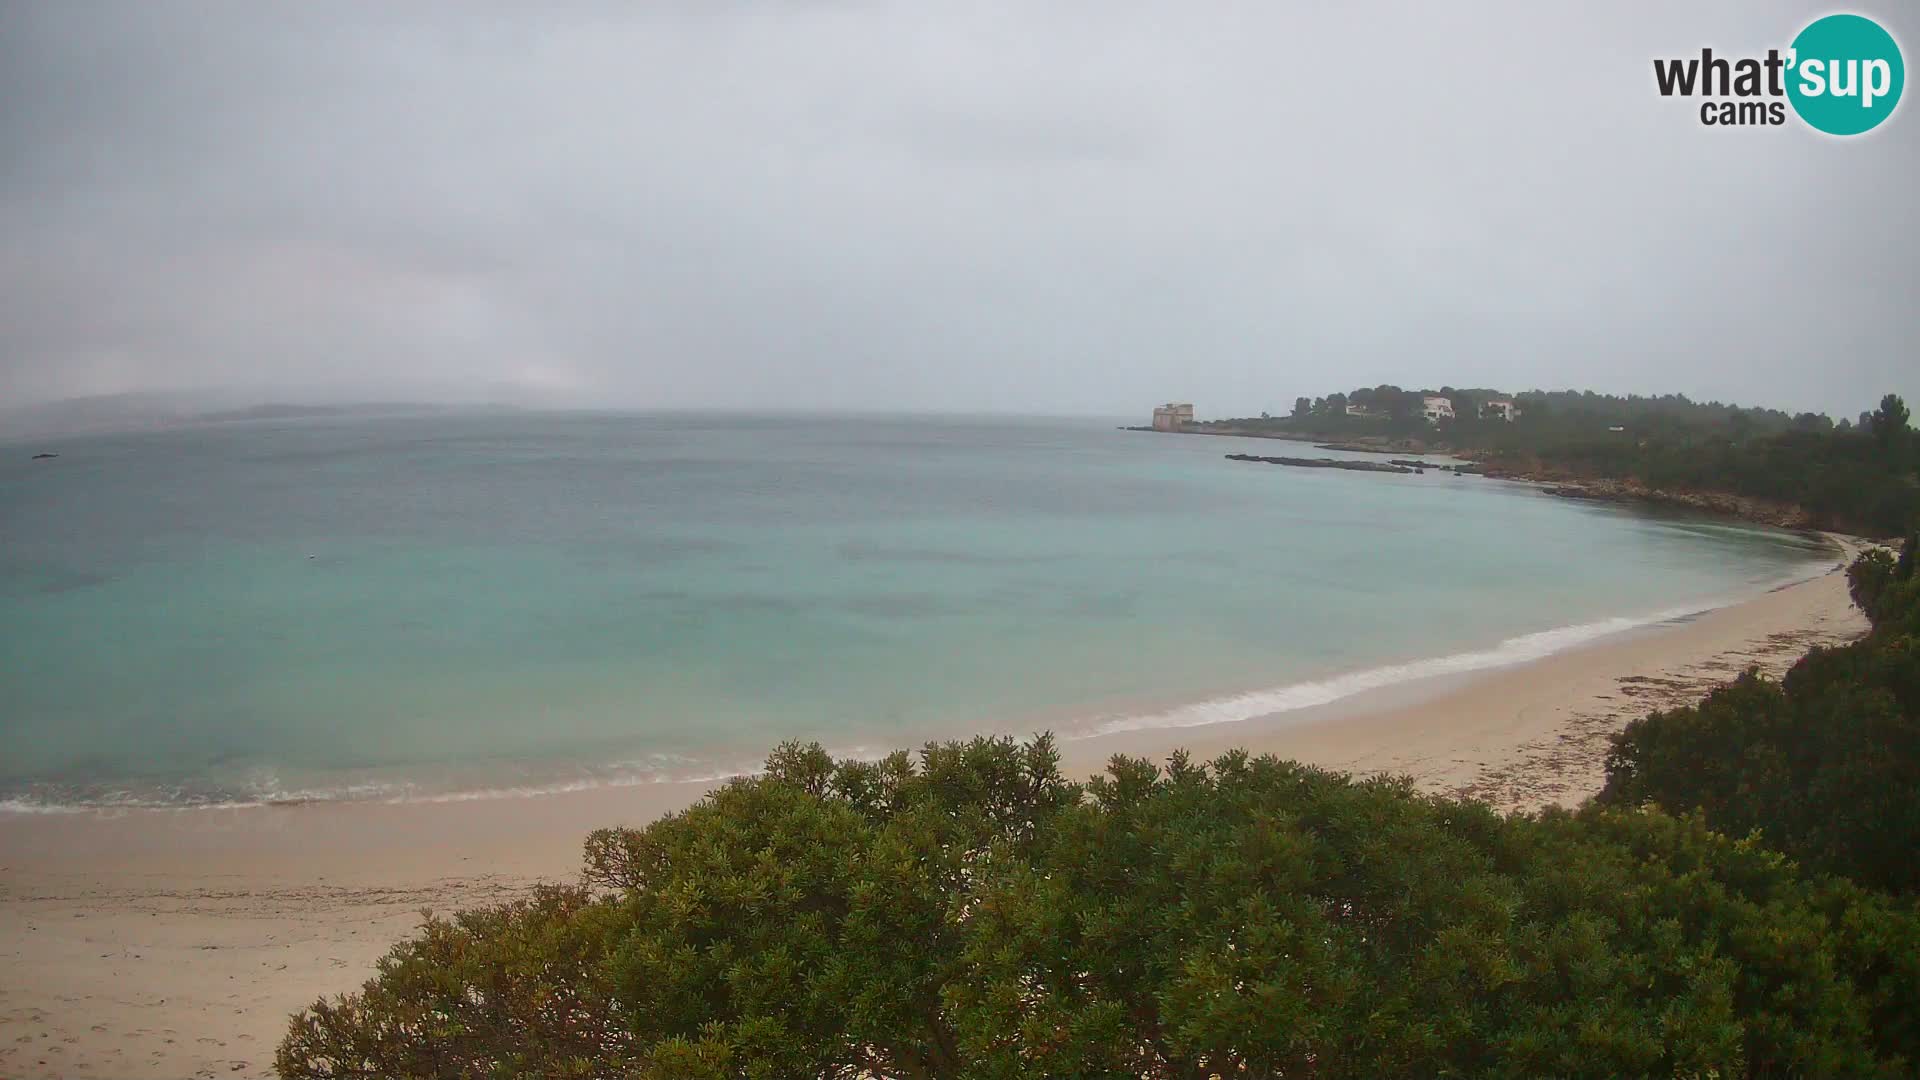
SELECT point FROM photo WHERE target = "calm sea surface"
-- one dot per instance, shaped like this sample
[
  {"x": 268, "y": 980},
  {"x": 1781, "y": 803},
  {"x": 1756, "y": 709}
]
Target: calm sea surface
[{"x": 437, "y": 606}]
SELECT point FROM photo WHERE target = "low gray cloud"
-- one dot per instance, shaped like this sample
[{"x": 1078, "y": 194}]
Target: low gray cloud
[{"x": 1068, "y": 208}]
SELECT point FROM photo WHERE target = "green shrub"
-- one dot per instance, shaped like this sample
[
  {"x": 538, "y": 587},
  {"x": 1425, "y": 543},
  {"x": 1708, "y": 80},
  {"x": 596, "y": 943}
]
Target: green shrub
[
  {"x": 1824, "y": 765},
  {"x": 973, "y": 914}
]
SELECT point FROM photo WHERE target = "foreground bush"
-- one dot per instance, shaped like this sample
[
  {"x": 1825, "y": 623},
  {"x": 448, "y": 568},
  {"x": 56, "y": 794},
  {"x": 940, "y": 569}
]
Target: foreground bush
[
  {"x": 974, "y": 914},
  {"x": 1824, "y": 765}
]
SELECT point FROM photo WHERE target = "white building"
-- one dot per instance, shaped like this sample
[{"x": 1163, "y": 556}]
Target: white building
[
  {"x": 1172, "y": 417},
  {"x": 1436, "y": 408},
  {"x": 1501, "y": 408}
]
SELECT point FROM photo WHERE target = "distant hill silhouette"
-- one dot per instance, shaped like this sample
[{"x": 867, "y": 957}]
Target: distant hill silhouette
[{"x": 103, "y": 414}]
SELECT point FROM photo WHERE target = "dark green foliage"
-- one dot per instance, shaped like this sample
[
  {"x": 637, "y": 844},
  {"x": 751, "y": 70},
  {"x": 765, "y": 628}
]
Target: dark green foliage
[
  {"x": 804, "y": 923},
  {"x": 973, "y": 914},
  {"x": 1888, "y": 426},
  {"x": 1868, "y": 578},
  {"x": 517, "y": 990},
  {"x": 1844, "y": 482},
  {"x": 1264, "y": 918},
  {"x": 1888, "y": 589},
  {"x": 1824, "y": 765}
]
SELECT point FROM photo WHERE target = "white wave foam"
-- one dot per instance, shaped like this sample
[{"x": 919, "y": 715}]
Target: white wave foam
[
  {"x": 566, "y": 787},
  {"x": 263, "y": 790},
  {"x": 1514, "y": 650},
  {"x": 29, "y": 806},
  {"x": 1306, "y": 695}
]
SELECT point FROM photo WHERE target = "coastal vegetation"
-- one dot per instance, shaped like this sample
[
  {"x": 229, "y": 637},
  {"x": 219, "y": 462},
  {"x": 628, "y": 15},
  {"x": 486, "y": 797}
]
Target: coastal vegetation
[
  {"x": 1851, "y": 475},
  {"x": 1739, "y": 902},
  {"x": 1823, "y": 765}
]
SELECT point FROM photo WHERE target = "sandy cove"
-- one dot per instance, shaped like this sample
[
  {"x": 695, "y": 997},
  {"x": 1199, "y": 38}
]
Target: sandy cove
[{"x": 175, "y": 943}]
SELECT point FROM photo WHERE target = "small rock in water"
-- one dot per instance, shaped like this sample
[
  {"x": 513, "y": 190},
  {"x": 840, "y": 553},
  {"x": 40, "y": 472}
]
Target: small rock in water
[{"x": 37, "y": 457}]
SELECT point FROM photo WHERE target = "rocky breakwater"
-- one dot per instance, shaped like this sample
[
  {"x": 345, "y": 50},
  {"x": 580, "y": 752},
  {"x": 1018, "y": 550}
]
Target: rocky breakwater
[
  {"x": 1418, "y": 466},
  {"x": 1322, "y": 463}
]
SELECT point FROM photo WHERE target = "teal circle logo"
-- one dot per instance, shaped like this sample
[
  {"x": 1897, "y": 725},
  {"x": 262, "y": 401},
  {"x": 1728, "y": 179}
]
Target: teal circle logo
[{"x": 1845, "y": 74}]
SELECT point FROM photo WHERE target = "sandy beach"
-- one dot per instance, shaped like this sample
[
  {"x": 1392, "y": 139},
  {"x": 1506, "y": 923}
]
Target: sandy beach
[{"x": 176, "y": 943}]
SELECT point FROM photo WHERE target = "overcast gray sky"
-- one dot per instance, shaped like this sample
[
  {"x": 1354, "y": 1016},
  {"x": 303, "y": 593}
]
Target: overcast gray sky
[{"x": 1034, "y": 207}]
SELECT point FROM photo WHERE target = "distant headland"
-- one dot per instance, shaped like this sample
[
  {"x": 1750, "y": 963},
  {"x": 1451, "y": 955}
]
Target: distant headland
[{"x": 1794, "y": 470}]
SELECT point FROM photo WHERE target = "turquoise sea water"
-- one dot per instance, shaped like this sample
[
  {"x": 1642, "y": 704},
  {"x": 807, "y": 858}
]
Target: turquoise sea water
[{"x": 436, "y": 606}]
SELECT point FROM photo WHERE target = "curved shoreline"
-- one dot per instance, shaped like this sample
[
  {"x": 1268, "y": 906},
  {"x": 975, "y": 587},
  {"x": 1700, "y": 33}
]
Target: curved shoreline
[
  {"x": 147, "y": 944},
  {"x": 1533, "y": 734},
  {"x": 1411, "y": 675},
  {"x": 1312, "y": 699}
]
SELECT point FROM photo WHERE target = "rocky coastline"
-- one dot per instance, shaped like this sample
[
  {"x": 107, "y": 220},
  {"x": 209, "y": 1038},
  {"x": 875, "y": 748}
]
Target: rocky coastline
[
  {"x": 1719, "y": 503},
  {"x": 1555, "y": 482}
]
